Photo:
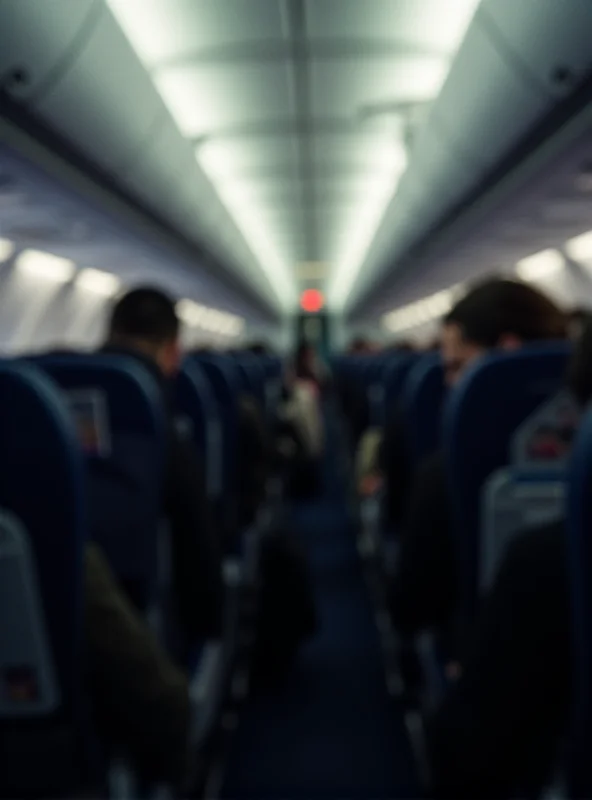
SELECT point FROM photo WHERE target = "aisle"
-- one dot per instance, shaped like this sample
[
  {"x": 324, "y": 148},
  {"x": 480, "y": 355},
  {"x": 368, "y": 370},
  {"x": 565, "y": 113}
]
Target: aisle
[{"x": 332, "y": 731}]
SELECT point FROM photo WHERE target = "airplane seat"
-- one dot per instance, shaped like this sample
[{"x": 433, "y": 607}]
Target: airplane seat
[
  {"x": 422, "y": 400},
  {"x": 210, "y": 663},
  {"x": 531, "y": 490},
  {"x": 121, "y": 422},
  {"x": 226, "y": 384},
  {"x": 579, "y": 523},
  {"x": 481, "y": 416},
  {"x": 383, "y": 542},
  {"x": 46, "y": 744},
  {"x": 393, "y": 378}
]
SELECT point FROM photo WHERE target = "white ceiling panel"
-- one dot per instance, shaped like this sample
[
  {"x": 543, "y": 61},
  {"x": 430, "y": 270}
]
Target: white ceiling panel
[
  {"x": 173, "y": 29},
  {"x": 261, "y": 158},
  {"x": 426, "y": 24},
  {"x": 345, "y": 88},
  {"x": 205, "y": 99}
]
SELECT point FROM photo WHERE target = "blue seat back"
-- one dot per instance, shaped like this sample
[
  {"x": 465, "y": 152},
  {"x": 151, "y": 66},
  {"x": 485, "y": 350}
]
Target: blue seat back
[
  {"x": 579, "y": 526},
  {"x": 422, "y": 401},
  {"x": 125, "y": 483},
  {"x": 43, "y": 536},
  {"x": 393, "y": 379},
  {"x": 195, "y": 399},
  {"x": 226, "y": 385},
  {"x": 480, "y": 417}
]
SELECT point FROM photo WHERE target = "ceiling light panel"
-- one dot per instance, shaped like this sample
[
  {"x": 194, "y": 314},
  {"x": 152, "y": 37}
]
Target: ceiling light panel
[
  {"x": 165, "y": 30},
  {"x": 540, "y": 265},
  {"x": 208, "y": 99},
  {"x": 580, "y": 248},
  {"x": 98, "y": 282},
  {"x": 344, "y": 88},
  {"x": 429, "y": 25},
  {"x": 6, "y": 250},
  {"x": 45, "y": 266}
]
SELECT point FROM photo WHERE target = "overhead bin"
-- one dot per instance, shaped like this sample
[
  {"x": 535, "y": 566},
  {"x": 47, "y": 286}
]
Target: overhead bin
[
  {"x": 88, "y": 84},
  {"x": 518, "y": 60},
  {"x": 41, "y": 37}
]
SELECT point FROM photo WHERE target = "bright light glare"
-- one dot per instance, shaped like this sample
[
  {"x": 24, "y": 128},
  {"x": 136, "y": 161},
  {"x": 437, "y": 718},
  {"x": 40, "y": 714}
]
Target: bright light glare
[
  {"x": 248, "y": 220},
  {"x": 364, "y": 227},
  {"x": 46, "y": 266},
  {"x": 98, "y": 282},
  {"x": 422, "y": 311},
  {"x": 540, "y": 265},
  {"x": 209, "y": 319},
  {"x": 6, "y": 250},
  {"x": 580, "y": 248}
]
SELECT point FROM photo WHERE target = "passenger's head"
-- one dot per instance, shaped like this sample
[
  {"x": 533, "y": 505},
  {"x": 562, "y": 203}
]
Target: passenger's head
[
  {"x": 258, "y": 349},
  {"x": 579, "y": 373},
  {"x": 145, "y": 319},
  {"x": 358, "y": 346},
  {"x": 497, "y": 313}
]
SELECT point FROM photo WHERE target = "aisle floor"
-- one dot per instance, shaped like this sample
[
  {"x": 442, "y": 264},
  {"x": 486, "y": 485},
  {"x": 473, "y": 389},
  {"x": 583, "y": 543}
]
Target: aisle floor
[{"x": 331, "y": 732}]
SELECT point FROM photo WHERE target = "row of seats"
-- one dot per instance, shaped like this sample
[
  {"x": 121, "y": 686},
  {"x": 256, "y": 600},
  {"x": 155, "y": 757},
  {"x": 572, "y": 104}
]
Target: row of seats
[
  {"x": 64, "y": 421},
  {"x": 505, "y": 431}
]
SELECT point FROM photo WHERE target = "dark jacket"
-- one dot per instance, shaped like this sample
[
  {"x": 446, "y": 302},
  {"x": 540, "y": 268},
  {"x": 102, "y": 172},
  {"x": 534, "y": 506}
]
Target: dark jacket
[
  {"x": 196, "y": 552},
  {"x": 140, "y": 700},
  {"x": 499, "y": 728},
  {"x": 422, "y": 592}
]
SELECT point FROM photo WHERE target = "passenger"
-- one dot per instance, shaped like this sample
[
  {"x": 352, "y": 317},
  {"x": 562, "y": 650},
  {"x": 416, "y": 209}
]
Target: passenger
[
  {"x": 499, "y": 728},
  {"x": 140, "y": 700},
  {"x": 144, "y": 325},
  {"x": 301, "y": 422},
  {"x": 500, "y": 314},
  {"x": 304, "y": 388}
]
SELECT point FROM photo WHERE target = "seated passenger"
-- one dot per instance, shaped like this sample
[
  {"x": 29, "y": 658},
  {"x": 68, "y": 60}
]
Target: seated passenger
[
  {"x": 497, "y": 313},
  {"x": 499, "y": 728},
  {"x": 304, "y": 390},
  {"x": 140, "y": 700},
  {"x": 144, "y": 325},
  {"x": 300, "y": 423}
]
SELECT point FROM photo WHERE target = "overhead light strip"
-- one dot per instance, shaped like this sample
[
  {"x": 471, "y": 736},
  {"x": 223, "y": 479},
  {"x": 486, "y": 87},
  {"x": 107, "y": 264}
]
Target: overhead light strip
[
  {"x": 7, "y": 249},
  {"x": 46, "y": 266},
  {"x": 422, "y": 311},
  {"x": 210, "y": 320},
  {"x": 540, "y": 265}
]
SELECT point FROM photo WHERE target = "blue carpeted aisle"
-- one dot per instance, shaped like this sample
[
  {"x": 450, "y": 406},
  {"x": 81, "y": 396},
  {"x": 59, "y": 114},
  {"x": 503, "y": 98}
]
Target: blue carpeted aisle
[{"x": 332, "y": 731}]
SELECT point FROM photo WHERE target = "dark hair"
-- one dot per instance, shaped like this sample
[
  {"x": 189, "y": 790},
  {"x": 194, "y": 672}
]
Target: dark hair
[
  {"x": 258, "y": 349},
  {"x": 145, "y": 313},
  {"x": 579, "y": 371},
  {"x": 498, "y": 306}
]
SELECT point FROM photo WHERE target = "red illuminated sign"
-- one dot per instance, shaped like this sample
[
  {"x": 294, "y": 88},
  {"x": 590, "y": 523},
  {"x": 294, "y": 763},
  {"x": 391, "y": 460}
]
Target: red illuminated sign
[{"x": 312, "y": 301}]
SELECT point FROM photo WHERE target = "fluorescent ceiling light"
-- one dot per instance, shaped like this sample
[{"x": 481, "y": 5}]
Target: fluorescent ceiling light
[
  {"x": 580, "y": 247},
  {"x": 209, "y": 319},
  {"x": 365, "y": 225},
  {"x": 422, "y": 311},
  {"x": 46, "y": 266},
  {"x": 98, "y": 282},
  {"x": 540, "y": 265},
  {"x": 249, "y": 220},
  {"x": 6, "y": 250}
]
